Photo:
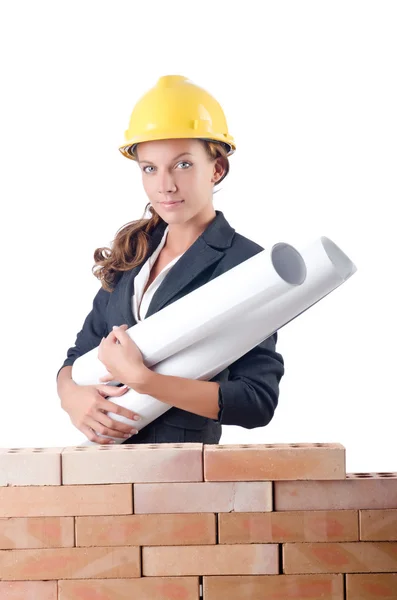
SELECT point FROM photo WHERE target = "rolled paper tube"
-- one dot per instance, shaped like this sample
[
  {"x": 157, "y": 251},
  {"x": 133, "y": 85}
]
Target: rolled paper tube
[
  {"x": 327, "y": 267},
  {"x": 253, "y": 283}
]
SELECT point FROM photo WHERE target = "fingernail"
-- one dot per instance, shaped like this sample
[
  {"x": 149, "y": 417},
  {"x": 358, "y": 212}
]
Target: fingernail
[
  {"x": 134, "y": 431},
  {"x": 126, "y": 435},
  {"x": 136, "y": 418}
]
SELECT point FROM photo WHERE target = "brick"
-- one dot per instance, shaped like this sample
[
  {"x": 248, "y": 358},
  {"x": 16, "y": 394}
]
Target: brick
[
  {"x": 274, "y": 587},
  {"x": 146, "y": 530},
  {"x": 203, "y": 497},
  {"x": 374, "y": 586},
  {"x": 28, "y": 590},
  {"x": 144, "y": 588},
  {"x": 253, "y": 559},
  {"x": 378, "y": 525},
  {"x": 344, "y": 557},
  {"x": 30, "y": 466},
  {"x": 279, "y": 527},
  {"x": 132, "y": 463},
  {"x": 259, "y": 462},
  {"x": 70, "y": 563},
  {"x": 40, "y": 532},
  {"x": 62, "y": 501},
  {"x": 358, "y": 490}
]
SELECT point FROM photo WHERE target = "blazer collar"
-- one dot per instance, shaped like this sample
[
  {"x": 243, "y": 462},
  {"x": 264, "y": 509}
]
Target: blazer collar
[
  {"x": 208, "y": 249},
  {"x": 218, "y": 234}
]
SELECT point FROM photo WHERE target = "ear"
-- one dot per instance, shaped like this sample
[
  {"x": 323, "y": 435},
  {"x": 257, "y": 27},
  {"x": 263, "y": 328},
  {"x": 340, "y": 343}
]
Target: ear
[{"x": 218, "y": 170}]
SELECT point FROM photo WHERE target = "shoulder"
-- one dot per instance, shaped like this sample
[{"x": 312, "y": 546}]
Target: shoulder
[
  {"x": 240, "y": 249},
  {"x": 235, "y": 247},
  {"x": 244, "y": 243},
  {"x": 229, "y": 239},
  {"x": 243, "y": 248}
]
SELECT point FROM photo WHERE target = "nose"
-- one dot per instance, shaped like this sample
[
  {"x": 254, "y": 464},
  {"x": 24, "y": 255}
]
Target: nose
[{"x": 166, "y": 183}]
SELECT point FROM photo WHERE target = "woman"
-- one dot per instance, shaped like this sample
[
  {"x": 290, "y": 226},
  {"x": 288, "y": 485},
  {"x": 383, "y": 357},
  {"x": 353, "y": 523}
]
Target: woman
[{"x": 179, "y": 138}]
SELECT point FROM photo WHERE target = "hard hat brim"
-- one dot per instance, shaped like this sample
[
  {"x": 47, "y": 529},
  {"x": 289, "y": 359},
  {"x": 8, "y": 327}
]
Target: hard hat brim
[{"x": 127, "y": 148}]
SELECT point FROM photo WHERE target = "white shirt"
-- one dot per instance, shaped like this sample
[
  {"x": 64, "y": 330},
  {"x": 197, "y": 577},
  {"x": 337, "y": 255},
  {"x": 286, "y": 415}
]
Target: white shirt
[{"x": 140, "y": 304}]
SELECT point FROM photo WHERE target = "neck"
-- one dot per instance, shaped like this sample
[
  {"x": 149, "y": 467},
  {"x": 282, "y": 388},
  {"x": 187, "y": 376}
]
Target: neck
[{"x": 182, "y": 235}]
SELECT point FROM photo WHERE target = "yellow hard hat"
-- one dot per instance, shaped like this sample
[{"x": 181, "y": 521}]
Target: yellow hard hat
[{"x": 176, "y": 108}]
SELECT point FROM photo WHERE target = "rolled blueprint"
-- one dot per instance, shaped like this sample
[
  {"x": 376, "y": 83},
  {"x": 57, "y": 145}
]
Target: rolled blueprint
[
  {"x": 255, "y": 282},
  {"x": 324, "y": 268}
]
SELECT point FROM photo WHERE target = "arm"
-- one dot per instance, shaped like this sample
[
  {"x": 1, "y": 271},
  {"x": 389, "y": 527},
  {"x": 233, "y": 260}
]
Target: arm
[
  {"x": 94, "y": 328},
  {"x": 248, "y": 399},
  {"x": 64, "y": 379},
  {"x": 199, "y": 397}
]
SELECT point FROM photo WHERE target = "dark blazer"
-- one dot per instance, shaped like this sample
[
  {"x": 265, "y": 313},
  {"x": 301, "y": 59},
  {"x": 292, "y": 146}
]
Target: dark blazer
[{"x": 249, "y": 387}]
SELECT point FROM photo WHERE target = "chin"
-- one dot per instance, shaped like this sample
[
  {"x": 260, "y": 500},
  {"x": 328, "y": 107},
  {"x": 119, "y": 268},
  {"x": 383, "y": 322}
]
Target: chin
[
  {"x": 174, "y": 218},
  {"x": 178, "y": 213}
]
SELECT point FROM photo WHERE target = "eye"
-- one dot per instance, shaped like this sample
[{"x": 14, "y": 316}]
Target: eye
[
  {"x": 184, "y": 162},
  {"x": 148, "y": 167}
]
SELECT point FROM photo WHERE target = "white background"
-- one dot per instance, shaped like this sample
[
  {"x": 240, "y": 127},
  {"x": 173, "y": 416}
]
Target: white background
[{"x": 309, "y": 91}]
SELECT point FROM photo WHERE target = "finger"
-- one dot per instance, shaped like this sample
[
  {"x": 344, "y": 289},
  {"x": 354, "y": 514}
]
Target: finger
[
  {"x": 121, "y": 335},
  {"x": 101, "y": 343},
  {"x": 112, "y": 390},
  {"x": 110, "y": 406},
  {"x": 103, "y": 393},
  {"x": 107, "y": 377},
  {"x": 111, "y": 338},
  {"x": 99, "y": 427},
  {"x": 117, "y": 428},
  {"x": 123, "y": 326},
  {"x": 93, "y": 437}
]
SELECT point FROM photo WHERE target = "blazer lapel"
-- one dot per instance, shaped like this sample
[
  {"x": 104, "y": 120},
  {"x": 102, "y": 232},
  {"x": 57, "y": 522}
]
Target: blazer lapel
[
  {"x": 204, "y": 252},
  {"x": 125, "y": 287},
  {"x": 195, "y": 260}
]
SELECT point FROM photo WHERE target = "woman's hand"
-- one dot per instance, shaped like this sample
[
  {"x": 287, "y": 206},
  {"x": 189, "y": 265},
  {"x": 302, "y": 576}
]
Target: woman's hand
[
  {"x": 122, "y": 358},
  {"x": 87, "y": 408}
]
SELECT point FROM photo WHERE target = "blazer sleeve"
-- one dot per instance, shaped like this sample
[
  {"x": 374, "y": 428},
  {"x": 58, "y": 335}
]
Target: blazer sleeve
[
  {"x": 93, "y": 330},
  {"x": 250, "y": 396}
]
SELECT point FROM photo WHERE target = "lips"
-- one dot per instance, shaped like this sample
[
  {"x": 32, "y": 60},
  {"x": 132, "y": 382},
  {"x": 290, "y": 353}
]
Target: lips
[{"x": 171, "y": 203}]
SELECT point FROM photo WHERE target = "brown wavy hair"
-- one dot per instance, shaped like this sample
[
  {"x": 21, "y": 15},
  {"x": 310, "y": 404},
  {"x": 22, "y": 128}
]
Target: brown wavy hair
[{"x": 131, "y": 243}]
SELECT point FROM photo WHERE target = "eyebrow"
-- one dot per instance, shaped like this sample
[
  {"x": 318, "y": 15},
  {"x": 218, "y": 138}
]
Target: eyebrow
[{"x": 179, "y": 155}]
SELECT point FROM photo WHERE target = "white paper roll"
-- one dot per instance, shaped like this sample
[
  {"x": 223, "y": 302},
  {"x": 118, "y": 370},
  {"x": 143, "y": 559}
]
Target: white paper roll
[
  {"x": 255, "y": 282},
  {"x": 325, "y": 268}
]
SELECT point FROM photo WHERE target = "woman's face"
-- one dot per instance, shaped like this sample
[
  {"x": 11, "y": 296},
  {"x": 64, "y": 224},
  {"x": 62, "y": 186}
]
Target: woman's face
[{"x": 178, "y": 171}]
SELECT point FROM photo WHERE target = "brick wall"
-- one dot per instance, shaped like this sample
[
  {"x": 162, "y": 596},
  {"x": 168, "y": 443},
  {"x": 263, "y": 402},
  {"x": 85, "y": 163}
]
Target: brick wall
[{"x": 184, "y": 521}]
